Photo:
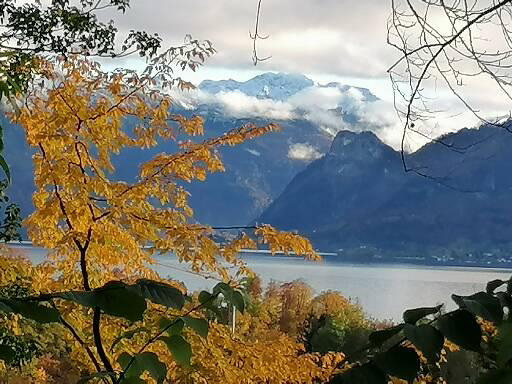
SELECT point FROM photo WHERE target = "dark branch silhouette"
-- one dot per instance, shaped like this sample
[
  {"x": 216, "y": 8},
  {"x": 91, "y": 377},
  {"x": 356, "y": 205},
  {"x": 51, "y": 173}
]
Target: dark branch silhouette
[
  {"x": 256, "y": 36},
  {"x": 445, "y": 43}
]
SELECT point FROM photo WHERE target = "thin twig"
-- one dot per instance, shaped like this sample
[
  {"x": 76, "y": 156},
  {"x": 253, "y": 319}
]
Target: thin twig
[{"x": 255, "y": 58}]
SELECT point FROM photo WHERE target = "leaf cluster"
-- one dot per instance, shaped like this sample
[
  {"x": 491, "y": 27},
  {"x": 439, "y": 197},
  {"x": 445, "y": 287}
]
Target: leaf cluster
[{"x": 415, "y": 346}]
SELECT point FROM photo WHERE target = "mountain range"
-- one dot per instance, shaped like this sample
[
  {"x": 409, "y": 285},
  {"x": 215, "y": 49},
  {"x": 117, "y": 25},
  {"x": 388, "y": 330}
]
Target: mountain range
[
  {"x": 358, "y": 194},
  {"x": 256, "y": 171},
  {"x": 326, "y": 174}
]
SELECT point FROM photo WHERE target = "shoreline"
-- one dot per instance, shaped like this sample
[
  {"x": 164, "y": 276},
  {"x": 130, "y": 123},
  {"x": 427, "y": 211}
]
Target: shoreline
[{"x": 334, "y": 259}]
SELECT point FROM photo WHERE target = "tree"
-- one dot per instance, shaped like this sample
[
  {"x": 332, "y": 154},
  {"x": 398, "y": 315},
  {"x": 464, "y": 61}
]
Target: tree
[
  {"x": 448, "y": 45},
  {"x": 103, "y": 233},
  {"x": 31, "y": 30},
  {"x": 34, "y": 30}
]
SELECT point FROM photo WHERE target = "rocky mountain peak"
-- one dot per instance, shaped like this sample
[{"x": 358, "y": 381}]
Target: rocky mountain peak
[{"x": 357, "y": 145}]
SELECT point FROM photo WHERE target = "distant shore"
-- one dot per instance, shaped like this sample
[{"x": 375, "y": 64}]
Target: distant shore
[{"x": 334, "y": 258}]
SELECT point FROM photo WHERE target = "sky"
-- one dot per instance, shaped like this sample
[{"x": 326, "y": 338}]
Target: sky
[{"x": 327, "y": 40}]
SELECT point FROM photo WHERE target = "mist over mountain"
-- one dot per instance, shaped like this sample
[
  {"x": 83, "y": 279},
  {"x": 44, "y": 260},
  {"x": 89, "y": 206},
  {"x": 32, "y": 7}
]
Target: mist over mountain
[
  {"x": 256, "y": 171},
  {"x": 358, "y": 194},
  {"x": 327, "y": 173}
]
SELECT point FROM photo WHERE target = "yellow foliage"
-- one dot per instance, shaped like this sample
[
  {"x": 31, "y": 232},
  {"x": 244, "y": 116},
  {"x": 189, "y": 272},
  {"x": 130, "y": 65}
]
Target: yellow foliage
[
  {"x": 229, "y": 359},
  {"x": 99, "y": 229}
]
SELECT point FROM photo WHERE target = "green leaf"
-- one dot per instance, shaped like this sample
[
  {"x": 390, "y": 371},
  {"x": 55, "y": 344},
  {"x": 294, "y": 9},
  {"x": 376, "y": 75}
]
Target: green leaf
[
  {"x": 493, "y": 285},
  {"x": 412, "y": 316},
  {"x": 1, "y": 137},
  {"x": 481, "y": 304},
  {"x": 223, "y": 288},
  {"x": 172, "y": 327},
  {"x": 363, "y": 374},
  {"x": 205, "y": 297},
  {"x": 5, "y": 168},
  {"x": 5, "y": 308},
  {"x": 13, "y": 83},
  {"x": 160, "y": 293},
  {"x": 123, "y": 360},
  {"x": 40, "y": 313},
  {"x": 504, "y": 344},
  {"x": 128, "y": 335},
  {"x": 427, "y": 339},
  {"x": 149, "y": 362},
  {"x": 461, "y": 328},
  {"x": 509, "y": 286},
  {"x": 230, "y": 295},
  {"x": 7, "y": 354},
  {"x": 505, "y": 299},
  {"x": 378, "y": 338},
  {"x": 146, "y": 361},
  {"x": 200, "y": 326},
  {"x": 115, "y": 298},
  {"x": 31, "y": 310},
  {"x": 180, "y": 349},
  {"x": 497, "y": 376},
  {"x": 237, "y": 299},
  {"x": 400, "y": 362}
]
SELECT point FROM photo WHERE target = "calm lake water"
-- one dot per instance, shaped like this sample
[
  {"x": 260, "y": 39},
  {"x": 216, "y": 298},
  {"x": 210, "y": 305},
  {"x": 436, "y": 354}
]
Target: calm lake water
[{"x": 384, "y": 291}]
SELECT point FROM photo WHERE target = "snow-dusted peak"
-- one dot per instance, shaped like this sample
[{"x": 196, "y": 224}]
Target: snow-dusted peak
[{"x": 270, "y": 85}]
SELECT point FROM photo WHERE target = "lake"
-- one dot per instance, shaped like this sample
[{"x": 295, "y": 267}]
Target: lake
[{"x": 384, "y": 291}]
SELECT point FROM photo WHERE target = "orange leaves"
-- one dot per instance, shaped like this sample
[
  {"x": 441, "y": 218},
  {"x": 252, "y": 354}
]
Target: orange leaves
[
  {"x": 112, "y": 228},
  {"x": 286, "y": 242},
  {"x": 193, "y": 126},
  {"x": 197, "y": 160},
  {"x": 231, "y": 250},
  {"x": 231, "y": 359}
]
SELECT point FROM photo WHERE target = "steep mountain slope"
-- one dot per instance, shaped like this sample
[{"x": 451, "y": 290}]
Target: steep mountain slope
[
  {"x": 358, "y": 195},
  {"x": 353, "y": 179}
]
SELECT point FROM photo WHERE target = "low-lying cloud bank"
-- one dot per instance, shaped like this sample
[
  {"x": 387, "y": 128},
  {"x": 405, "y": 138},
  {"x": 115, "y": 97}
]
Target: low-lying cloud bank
[
  {"x": 332, "y": 108},
  {"x": 324, "y": 106}
]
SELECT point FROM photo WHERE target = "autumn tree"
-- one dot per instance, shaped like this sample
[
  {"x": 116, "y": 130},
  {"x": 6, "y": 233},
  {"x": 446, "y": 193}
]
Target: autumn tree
[
  {"x": 31, "y": 30},
  {"x": 103, "y": 233}
]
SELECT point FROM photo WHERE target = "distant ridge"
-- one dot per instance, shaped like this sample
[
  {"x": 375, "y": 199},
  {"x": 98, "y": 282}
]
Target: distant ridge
[{"x": 358, "y": 195}]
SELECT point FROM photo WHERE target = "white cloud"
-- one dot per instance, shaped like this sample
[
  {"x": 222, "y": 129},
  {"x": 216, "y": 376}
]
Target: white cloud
[
  {"x": 303, "y": 151},
  {"x": 238, "y": 104},
  {"x": 323, "y": 107},
  {"x": 343, "y": 38},
  {"x": 321, "y": 97},
  {"x": 316, "y": 104}
]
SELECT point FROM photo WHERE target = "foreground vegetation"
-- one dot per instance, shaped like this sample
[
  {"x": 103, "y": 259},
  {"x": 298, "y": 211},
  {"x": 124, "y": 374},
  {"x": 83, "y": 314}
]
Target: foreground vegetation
[{"x": 95, "y": 310}]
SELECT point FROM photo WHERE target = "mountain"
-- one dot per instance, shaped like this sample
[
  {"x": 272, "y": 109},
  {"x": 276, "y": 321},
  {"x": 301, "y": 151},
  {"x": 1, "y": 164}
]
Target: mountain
[
  {"x": 335, "y": 187},
  {"x": 256, "y": 171},
  {"x": 275, "y": 86},
  {"x": 358, "y": 194}
]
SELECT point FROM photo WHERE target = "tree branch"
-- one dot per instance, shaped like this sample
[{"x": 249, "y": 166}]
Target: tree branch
[
  {"x": 255, "y": 58},
  {"x": 96, "y": 329}
]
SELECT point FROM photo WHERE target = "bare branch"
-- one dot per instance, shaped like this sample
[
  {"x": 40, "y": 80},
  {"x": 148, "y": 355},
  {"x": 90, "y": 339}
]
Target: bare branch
[
  {"x": 444, "y": 43},
  {"x": 256, "y": 36}
]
